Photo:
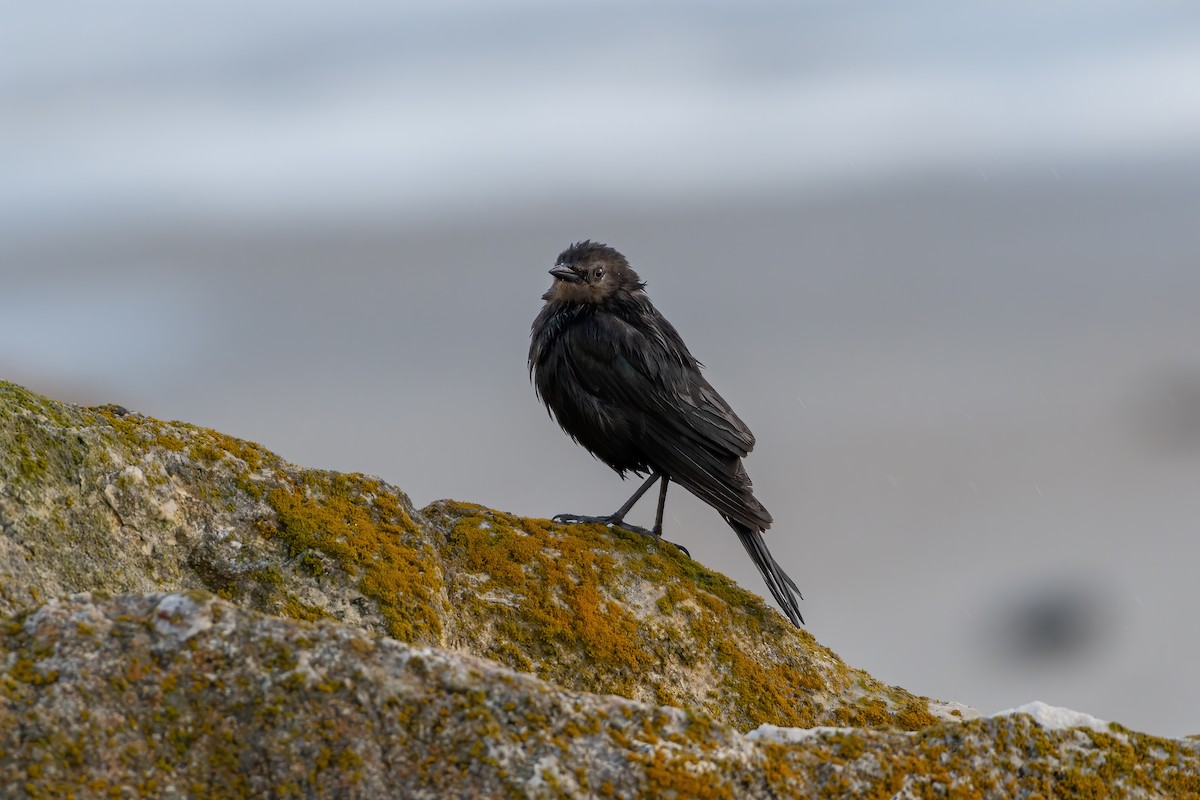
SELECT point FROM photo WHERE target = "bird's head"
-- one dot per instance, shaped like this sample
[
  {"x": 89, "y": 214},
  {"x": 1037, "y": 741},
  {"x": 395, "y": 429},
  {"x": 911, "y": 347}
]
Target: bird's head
[{"x": 590, "y": 272}]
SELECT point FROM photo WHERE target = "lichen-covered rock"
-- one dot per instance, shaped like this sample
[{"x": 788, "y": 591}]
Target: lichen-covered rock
[
  {"x": 185, "y": 695},
  {"x": 104, "y": 499}
]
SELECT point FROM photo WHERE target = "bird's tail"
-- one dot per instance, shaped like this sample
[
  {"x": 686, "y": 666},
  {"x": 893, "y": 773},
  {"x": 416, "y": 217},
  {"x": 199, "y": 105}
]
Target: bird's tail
[{"x": 783, "y": 588}]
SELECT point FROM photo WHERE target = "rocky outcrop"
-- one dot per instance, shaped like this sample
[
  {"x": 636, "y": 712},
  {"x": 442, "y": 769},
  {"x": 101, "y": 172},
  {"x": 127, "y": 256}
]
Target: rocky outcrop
[
  {"x": 184, "y": 695},
  {"x": 105, "y": 499},
  {"x": 189, "y": 615}
]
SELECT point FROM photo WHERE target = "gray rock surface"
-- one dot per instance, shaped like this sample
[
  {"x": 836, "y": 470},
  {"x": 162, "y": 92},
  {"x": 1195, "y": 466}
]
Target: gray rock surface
[
  {"x": 187, "y": 615},
  {"x": 185, "y": 695},
  {"x": 105, "y": 499}
]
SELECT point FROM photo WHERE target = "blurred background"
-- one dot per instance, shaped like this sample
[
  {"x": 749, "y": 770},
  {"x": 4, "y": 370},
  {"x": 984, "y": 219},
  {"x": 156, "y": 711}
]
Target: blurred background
[{"x": 941, "y": 258}]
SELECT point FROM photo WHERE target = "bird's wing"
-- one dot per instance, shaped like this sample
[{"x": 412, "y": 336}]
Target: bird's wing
[
  {"x": 689, "y": 429},
  {"x": 650, "y": 369}
]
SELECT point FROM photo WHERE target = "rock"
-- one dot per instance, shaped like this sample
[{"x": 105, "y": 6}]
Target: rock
[
  {"x": 101, "y": 499},
  {"x": 360, "y": 647},
  {"x": 185, "y": 695}
]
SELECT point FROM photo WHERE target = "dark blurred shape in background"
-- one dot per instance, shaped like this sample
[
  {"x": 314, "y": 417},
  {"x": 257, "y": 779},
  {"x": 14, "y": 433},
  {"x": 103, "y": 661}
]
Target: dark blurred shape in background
[
  {"x": 1063, "y": 621},
  {"x": 971, "y": 230}
]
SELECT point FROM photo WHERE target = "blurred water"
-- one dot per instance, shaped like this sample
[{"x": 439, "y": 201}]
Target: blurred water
[
  {"x": 138, "y": 109},
  {"x": 940, "y": 258}
]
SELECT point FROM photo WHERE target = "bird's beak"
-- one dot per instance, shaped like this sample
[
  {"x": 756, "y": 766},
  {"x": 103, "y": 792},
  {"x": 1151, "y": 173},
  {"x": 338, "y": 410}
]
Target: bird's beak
[{"x": 565, "y": 274}]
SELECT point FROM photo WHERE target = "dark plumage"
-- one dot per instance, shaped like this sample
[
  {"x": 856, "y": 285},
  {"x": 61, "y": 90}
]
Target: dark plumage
[{"x": 621, "y": 382}]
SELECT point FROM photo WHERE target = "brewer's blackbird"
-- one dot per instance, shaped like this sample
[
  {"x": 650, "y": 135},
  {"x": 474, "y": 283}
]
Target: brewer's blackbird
[{"x": 621, "y": 382}]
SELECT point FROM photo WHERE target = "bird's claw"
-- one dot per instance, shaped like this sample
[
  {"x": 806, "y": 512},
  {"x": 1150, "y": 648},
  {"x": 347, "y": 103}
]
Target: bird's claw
[
  {"x": 575, "y": 519},
  {"x": 680, "y": 548},
  {"x": 607, "y": 521}
]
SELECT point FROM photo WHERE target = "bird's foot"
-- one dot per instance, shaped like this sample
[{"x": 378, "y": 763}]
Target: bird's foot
[
  {"x": 613, "y": 521},
  {"x": 576, "y": 519},
  {"x": 609, "y": 521}
]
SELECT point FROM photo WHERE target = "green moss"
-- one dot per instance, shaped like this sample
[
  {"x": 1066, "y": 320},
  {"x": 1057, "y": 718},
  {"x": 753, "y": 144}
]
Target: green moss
[
  {"x": 775, "y": 693},
  {"x": 560, "y": 581},
  {"x": 508, "y": 653},
  {"x": 557, "y": 581},
  {"x": 25, "y": 671},
  {"x": 372, "y": 538},
  {"x": 39, "y": 445},
  {"x": 296, "y": 608},
  {"x": 206, "y": 447},
  {"x": 914, "y": 715}
]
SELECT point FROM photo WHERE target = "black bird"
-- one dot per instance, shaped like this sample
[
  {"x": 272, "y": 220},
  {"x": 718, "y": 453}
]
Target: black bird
[{"x": 621, "y": 382}]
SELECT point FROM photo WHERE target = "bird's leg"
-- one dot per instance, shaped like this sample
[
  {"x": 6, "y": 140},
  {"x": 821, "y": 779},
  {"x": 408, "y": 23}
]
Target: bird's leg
[
  {"x": 662, "y": 504},
  {"x": 618, "y": 517}
]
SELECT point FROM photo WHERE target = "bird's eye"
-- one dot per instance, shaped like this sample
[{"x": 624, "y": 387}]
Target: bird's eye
[{"x": 597, "y": 273}]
